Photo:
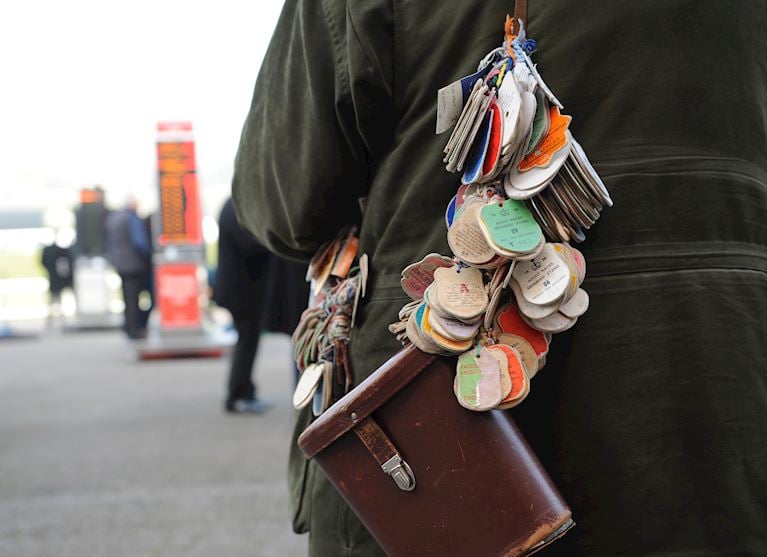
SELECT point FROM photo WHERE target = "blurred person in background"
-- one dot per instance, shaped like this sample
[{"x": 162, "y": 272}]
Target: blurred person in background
[
  {"x": 263, "y": 293},
  {"x": 240, "y": 287},
  {"x": 128, "y": 250},
  {"x": 56, "y": 259}
]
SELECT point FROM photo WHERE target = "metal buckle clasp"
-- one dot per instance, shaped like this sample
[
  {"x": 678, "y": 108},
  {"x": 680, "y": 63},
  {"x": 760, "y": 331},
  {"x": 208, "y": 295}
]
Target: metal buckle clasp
[{"x": 400, "y": 472}]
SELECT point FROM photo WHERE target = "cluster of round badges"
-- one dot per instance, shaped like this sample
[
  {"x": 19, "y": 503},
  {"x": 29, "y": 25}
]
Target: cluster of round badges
[
  {"x": 513, "y": 280},
  {"x": 512, "y": 134}
]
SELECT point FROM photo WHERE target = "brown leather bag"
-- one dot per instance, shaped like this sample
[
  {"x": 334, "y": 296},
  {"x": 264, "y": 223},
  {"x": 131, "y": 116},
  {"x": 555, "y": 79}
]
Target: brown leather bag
[{"x": 428, "y": 477}]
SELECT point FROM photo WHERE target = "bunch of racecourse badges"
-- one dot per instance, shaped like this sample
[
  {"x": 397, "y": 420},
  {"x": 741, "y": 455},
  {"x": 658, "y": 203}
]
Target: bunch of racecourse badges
[
  {"x": 527, "y": 189},
  {"x": 320, "y": 341}
]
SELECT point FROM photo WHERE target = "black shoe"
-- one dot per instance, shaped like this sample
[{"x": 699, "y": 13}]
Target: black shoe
[{"x": 248, "y": 406}]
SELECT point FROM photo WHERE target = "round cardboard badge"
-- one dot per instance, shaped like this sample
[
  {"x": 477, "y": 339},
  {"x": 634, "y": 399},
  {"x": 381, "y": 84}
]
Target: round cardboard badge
[
  {"x": 509, "y": 320},
  {"x": 548, "y": 201},
  {"x": 592, "y": 177},
  {"x": 538, "y": 177},
  {"x": 494, "y": 263},
  {"x": 521, "y": 195},
  {"x": 453, "y": 328},
  {"x": 544, "y": 279},
  {"x": 466, "y": 239},
  {"x": 520, "y": 382},
  {"x": 445, "y": 343},
  {"x": 561, "y": 232},
  {"x": 450, "y": 211},
  {"x": 476, "y": 158},
  {"x": 510, "y": 226},
  {"x": 524, "y": 349},
  {"x": 578, "y": 191},
  {"x": 307, "y": 385},
  {"x": 580, "y": 263},
  {"x": 493, "y": 153},
  {"x": 548, "y": 229},
  {"x": 431, "y": 299},
  {"x": 557, "y": 139},
  {"x": 577, "y": 305},
  {"x": 525, "y": 123},
  {"x": 554, "y": 323},
  {"x": 460, "y": 196},
  {"x": 503, "y": 368},
  {"x": 460, "y": 292},
  {"x": 540, "y": 121},
  {"x": 577, "y": 180},
  {"x": 581, "y": 210},
  {"x": 510, "y": 102},
  {"x": 565, "y": 252},
  {"x": 418, "y": 276},
  {"x": 477, "y": 381},
  {"x": 416, "y": 336},
  {"x": 569, "y": 209},
  {"x": 534, "y": 311}
]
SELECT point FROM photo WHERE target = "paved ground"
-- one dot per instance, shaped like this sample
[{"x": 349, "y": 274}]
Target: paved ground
[{"x": 104, "y": 456}]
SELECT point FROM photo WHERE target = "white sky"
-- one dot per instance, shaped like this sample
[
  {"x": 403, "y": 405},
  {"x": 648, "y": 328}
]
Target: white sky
[{"x": 83, "y": 84}]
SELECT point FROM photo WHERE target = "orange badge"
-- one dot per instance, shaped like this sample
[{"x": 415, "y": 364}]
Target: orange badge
[{"x": 555, "y": 140}]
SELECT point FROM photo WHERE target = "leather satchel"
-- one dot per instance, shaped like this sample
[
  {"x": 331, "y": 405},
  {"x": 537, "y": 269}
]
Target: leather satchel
[{"x": 428, "y": 477}]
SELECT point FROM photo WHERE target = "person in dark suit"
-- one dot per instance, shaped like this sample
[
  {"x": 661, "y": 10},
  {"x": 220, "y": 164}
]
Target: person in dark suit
[
  {"x": 263, "y": 293},
  {"x": 57, "y": 261},
  {"x": 240, "y": 287},
  {"x": 129, "y": 251}
]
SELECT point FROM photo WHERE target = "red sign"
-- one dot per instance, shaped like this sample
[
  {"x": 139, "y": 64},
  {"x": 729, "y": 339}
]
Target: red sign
[
  {"x": 181, "y": 217},
  {"x": 178, "y": 292}
]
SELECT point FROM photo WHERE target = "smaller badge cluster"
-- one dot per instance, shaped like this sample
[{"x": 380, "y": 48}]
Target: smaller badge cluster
[{"x": 320, "y": 341}]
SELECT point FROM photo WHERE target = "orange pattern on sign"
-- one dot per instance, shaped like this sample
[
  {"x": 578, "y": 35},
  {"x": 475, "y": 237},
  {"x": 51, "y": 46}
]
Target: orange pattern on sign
[{"x": 179, "y": 194}]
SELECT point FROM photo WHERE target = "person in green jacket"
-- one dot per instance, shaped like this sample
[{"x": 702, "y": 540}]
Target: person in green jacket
[{"x": 651, "y": 414}]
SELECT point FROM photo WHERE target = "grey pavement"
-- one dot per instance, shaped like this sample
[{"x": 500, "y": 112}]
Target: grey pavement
[{"x": 101, "y": 455}]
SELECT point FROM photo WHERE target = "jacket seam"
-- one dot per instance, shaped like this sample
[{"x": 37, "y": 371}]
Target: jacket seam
[
  {"x": 396, "y": 15},
  {"x": 660, "y": 270},
  {"x": 691, "y": 172},
  {"x": 335, "y": 36},
  {"x": 363, "y": 47}
]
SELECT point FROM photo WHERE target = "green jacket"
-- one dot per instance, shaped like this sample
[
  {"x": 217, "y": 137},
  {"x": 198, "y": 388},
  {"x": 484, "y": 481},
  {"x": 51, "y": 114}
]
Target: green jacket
[{"x": 651, "y": 415}]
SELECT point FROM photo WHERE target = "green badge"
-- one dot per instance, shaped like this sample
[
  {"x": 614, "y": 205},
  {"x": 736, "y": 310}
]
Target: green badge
[
  {"x": 511, "y": 226},
  {"x": 477, "y": 383},
  {"x": 468, "y": 377},
  {"x": 540, "y": 122}
]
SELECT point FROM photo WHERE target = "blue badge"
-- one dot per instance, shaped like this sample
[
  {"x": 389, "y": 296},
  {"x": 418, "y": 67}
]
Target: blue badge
[
  {"x": 478, "y": 150},
  {"x": 450, "y": 212}
]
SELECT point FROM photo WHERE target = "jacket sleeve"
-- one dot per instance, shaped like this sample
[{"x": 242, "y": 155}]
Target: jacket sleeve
[{"x": 321, "y": 113}]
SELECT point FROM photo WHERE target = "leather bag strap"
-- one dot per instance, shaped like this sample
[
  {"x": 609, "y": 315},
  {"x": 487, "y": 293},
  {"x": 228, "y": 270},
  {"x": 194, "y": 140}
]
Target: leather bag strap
[{"x": 386, "y": 454}]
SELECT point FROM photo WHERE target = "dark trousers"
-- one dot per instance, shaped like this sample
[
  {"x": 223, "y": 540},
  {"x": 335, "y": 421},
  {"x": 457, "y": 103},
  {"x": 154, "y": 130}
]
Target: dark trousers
[
  {"x": 243, "y": 355},
  {"x": 135, "y": 322}
]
